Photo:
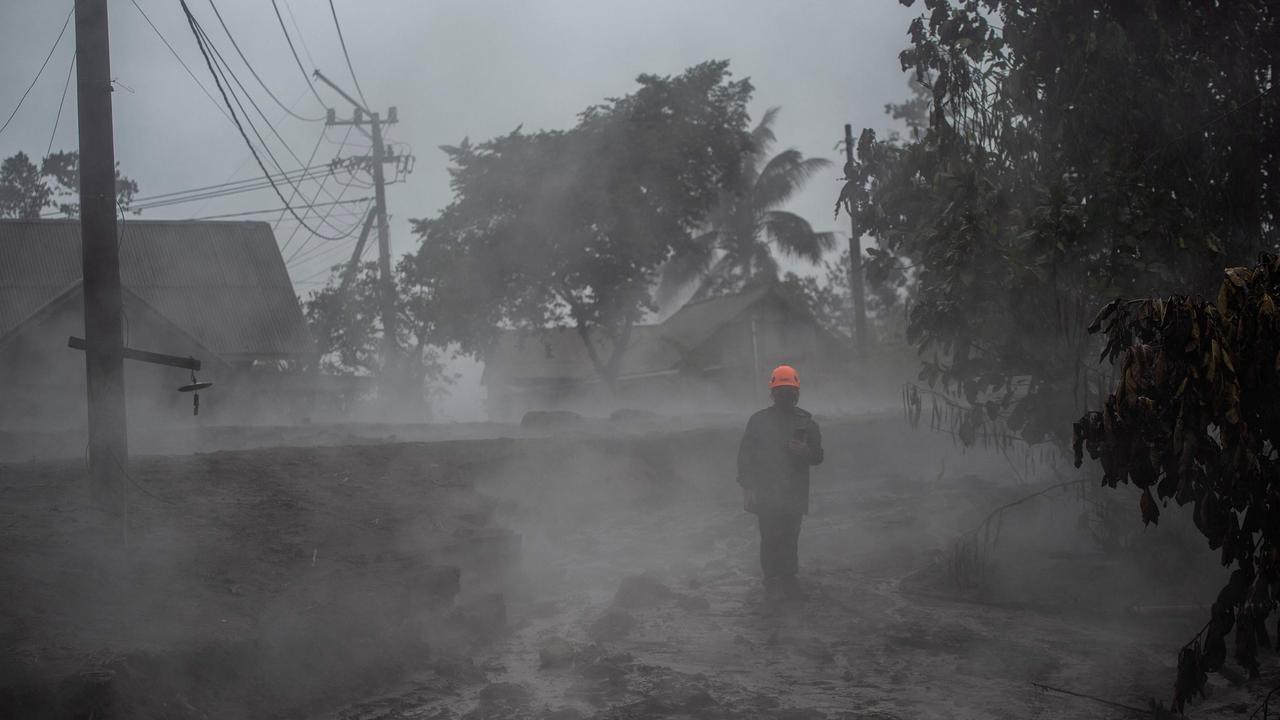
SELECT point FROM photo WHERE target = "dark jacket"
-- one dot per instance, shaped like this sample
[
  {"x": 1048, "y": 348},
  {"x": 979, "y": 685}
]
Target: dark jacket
[{"x": 778, "y": 477}]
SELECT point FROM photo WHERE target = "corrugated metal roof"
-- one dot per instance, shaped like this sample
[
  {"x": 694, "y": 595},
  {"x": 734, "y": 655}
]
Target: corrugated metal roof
[
  {"x": 696, "y": 322},
  {"x": 223, "y": 282}
]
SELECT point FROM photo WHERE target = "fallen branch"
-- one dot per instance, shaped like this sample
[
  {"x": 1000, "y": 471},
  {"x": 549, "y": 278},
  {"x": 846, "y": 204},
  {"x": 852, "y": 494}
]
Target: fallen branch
[
  {"x": 1110, "y": 703},
  {"x": 1019, "y": 501},
  {"x": 1265, "y": 707},
  {"x": 968, "y": 548}
]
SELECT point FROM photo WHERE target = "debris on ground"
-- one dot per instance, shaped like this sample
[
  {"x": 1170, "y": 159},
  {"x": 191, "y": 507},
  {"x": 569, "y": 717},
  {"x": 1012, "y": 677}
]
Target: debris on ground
[
  {"x": 555, "y": 652},
  {"x": 638, "y": 591},
  {"x": 614, "y": 624}
]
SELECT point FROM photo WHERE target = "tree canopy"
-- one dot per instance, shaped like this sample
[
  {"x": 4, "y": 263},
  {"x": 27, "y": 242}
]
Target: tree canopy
[
  {"x": 748, "y": 223},
  {"x": 26, "y": 191},
  {"x": 570, "y": 228},
  {"x": 346, "y": 322},
  {"x": 1073, "y": 153},
  {"x": 1193, "y": 419}
]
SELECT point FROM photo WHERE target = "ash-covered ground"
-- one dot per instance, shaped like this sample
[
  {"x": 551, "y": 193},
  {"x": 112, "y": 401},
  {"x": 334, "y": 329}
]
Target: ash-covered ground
[{"x": 600, "y": 575}]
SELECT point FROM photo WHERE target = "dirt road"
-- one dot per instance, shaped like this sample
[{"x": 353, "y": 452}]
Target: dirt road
[
  {"x": 602, "y": 575},
  {"x": 643, "y": 601}
]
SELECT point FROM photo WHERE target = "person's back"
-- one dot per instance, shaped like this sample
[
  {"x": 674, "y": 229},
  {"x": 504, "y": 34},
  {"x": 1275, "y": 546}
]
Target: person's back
[{"x": 781, "y": 442}]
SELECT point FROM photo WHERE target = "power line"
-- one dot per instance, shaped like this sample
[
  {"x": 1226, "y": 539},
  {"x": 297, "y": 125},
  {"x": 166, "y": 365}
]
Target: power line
[
  {"x": 320, "y": 251},
  {"x": 297, "y": 31},
  {"x": 310, "y": 279},
  {"x": 317, "y": 195},
  {"x": 312, "y": 157},
  {"x": 248, "y": 158},
  {"x": 262, "y": 184},
  {"x": 296, "y": 59},
  {"x": 237, "y": 187},
  {"x": 195, "y": 30},
  {"x": 58, "y": 118},
  {"x": 267, "y": 211},
  {"x": 258, "y": 184},
  {"x": 232, "y": 183},
  {"x": 226, "y": 189},
  {"x": 330, "y": 257},
  {"x": 362, "y": 146},
  {"x": 343, "y": 40},
  {"x": 225, "y": 68},
  {"x": 229, "y": 183},
  {"x": 181, "y": 62},
  {"x": 298, "y": 253},
  {"x": 39, "y": 72},
  {"x": 222, "y": 68},
  {"x": 312, "y": 237},
  {"x": 247, "y": 64},
  {"x": 332, "y": 245}
]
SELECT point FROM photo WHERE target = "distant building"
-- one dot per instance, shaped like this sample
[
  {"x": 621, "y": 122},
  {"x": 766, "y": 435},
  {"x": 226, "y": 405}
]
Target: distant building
[
  {"x": 709, "y": 356},
  {"x": 215, "y": 291}
]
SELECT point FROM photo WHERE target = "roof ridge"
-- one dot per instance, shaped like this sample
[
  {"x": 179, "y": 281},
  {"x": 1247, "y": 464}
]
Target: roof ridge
[
  {"x": 764, "y": 287},
  {"x": 223, "y": 283}
]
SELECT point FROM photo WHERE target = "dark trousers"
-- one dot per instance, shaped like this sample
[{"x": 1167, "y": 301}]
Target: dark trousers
[{"x": 779, "y": 544}]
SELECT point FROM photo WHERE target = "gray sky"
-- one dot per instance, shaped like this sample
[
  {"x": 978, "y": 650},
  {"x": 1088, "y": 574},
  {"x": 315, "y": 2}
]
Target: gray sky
[{"x": 454, "y": 68}]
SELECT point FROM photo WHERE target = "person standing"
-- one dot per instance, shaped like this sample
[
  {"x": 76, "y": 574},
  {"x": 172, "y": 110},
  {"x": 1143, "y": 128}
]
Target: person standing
[{"x": 781, "y": 442}]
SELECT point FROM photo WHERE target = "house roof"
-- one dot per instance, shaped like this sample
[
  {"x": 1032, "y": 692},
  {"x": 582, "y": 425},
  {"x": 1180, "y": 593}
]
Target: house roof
[
  {"x": 223, "y": 283},
  {"x": 558, "y": 354}
]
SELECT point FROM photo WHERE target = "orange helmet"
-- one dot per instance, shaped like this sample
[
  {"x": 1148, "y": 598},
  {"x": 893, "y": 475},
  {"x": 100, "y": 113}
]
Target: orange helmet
[{"x": 784, "y": 376}]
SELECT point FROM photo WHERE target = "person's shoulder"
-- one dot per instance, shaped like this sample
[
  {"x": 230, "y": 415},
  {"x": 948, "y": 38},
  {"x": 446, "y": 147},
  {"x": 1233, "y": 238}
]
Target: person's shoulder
[
  {"x": 758, "y": 414},
  {"x": 801, "y": 412}
]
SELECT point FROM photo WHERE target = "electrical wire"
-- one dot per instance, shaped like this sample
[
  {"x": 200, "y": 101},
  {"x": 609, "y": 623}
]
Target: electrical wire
[
  {"x": 271, "y": 126},
  {"x": 58, "y": 118},
  {"x": 296, "y": 59},
  {"x": 365, "y": 147},
  {"x": 248, "y": 158},
  {"x": 308, "y": 240},
  {"x": 320, "y": 252},
  {"x": 191, "y": 20},
  {"x": 353, "y": 182},
  {"x": 39, "y": 72},
  {"x": 323, "y": 249},
  {"x": 310, "y": 159},
  {"x": 341, "y": 193},
  {"x": 222, "y": 69},
  {"x": 297, "y": 32},
  {"x": 219, "y": 191},
  {"x": 237, "y": 188},
  {"x": 199, "y": 198},
  {"x": 181, "y": 62},
  {"x": 233, "y": 185},
  {"x": 311, "y": 279},
  {"x": 268, "y": 211},
  {"x": 298, "y": 254},
  {"x": 257, "y": 77},
  {"x": 345, "y": 54},
  {"x": 312, "y": 237}
]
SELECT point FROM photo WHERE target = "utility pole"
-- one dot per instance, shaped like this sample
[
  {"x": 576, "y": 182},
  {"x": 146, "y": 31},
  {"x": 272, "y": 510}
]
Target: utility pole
[
  {"x": 103, "y": 303},
  {"x": 363, "y": 116},
  {"x": 353, "y": 265},
  {"x": 855, "y": 261}
]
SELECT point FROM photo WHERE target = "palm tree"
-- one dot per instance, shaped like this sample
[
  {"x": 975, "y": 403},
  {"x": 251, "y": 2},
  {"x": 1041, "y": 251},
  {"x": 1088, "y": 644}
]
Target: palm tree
[{"x": 747, "y": 224}]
